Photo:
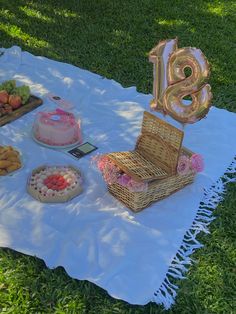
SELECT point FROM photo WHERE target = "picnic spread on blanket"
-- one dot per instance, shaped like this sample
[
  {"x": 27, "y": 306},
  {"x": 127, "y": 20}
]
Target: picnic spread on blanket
[
  {"x": 157, "y": 167},
  {"x": 62, "y": 154}
]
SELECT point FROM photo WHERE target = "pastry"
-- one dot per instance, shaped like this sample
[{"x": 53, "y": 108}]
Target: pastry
[
  {"x": 55, "y": 184},
  {"x": 9, "y": 160}
]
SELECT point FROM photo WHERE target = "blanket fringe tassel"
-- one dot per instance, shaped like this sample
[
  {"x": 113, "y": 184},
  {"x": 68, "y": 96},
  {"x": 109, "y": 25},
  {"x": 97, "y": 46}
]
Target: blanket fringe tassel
[{"x": 180, "y": 264}]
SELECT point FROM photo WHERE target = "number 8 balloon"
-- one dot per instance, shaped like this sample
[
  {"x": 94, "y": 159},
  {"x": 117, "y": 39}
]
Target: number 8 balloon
[{"x": 171, "y": 84}]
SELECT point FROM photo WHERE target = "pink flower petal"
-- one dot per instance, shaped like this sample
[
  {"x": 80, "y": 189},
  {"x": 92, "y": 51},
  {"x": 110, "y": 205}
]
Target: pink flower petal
[
  {"x": 183, "y": 165},
  {"x": 197, "y": 163}
]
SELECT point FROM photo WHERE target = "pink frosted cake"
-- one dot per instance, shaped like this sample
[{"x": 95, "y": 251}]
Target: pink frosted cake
[{"x": 57, "y": 128}]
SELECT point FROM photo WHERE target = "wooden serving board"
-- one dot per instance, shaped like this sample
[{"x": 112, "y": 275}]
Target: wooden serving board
[{"x": 31, "y": 104}]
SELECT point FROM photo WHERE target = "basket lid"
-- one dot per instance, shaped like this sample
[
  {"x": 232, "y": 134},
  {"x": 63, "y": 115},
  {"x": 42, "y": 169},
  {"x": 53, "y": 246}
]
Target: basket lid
[{"x": 156, "y": 152}]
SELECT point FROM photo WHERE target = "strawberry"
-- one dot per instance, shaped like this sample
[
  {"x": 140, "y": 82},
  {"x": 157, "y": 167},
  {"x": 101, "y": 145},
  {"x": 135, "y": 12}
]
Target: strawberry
[
  {"x": 15, "y": 101},
  {"x": 46, "y": 181},
  {"x": 56, "y": 182},
  {"x": 63, "y": 186},
  {"x": 4, "y": 97}
]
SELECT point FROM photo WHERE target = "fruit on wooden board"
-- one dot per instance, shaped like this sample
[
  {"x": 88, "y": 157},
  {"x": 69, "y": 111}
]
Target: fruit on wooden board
[
  {"x": 15, "y": 101},
  {"x": 5, "y": 109},
  {"x": 13, "y": 96},
  {"x": 4, "y": 97}
]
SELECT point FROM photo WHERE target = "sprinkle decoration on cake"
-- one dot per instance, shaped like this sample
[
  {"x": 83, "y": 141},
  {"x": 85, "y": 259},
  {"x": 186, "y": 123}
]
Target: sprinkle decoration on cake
[
  {"x": 57, "y": 128},
  {"x": 55, "y": 184}
]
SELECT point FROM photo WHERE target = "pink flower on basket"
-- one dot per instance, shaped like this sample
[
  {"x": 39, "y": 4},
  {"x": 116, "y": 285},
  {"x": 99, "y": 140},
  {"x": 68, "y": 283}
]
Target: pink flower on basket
[
  {"x": 108, "y": 169},
  {"x": 124, "y": 179},
  {"x": 111, "y": 173},
  {"x": 102, "y": 162},
  {"x": 183, "y": 165},
  {"x": 135, "y": 186},
  {"x": 110, "y": 178},
  {"x": 197, "y": 163}
]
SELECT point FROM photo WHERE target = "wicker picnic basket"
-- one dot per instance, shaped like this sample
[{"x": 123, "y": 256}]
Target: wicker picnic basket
[{"x": 154, "y": 160}]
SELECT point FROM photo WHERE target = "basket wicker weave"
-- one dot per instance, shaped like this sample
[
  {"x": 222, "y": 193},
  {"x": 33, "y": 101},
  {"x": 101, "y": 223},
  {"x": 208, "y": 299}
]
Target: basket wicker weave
[
  {"x": 156, "y": 151},
  {"x": 157, "y": 190},
  {"x": 154, "y": 160}
]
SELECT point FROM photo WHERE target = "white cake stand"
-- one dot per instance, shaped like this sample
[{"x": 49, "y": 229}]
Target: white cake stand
[{"x": 54, "y": 146}]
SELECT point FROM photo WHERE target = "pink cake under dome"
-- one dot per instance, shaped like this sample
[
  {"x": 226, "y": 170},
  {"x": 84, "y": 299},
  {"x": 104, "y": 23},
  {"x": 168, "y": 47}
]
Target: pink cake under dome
[{"x": 57, "y": 128}]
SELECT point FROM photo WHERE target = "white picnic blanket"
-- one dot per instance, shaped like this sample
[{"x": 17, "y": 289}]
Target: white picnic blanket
[{"x": 94, "y": 237}]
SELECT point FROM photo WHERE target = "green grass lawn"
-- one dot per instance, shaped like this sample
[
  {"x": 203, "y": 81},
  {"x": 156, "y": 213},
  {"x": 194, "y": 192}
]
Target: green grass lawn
[{"x": 113, "y": 38}]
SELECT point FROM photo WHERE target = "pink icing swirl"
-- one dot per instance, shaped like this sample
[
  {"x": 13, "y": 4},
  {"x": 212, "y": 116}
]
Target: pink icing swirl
[{"x": 64, "y": 117}]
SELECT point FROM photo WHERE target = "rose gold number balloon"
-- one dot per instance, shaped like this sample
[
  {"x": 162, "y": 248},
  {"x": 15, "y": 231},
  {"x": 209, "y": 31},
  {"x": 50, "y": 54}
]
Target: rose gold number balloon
[
  {"x": 159, "y": 56},
  {"x": 170, "y": 100}
]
